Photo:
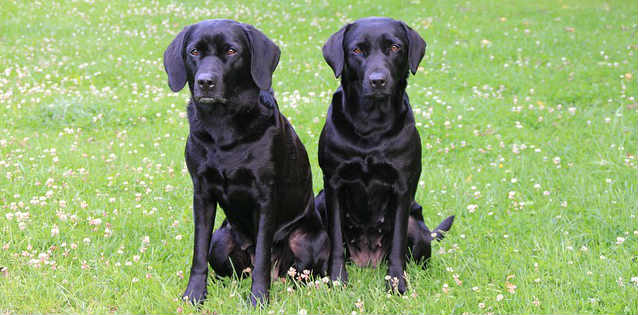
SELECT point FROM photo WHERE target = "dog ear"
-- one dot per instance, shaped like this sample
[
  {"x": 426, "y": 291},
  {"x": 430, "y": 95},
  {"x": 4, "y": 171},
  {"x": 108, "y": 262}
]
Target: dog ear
[
  {"x": 174, "y": 62},
  {"x": 333, "y": 51},
  {"x": 264, "y": 57},
  {"x": 416, "y": 47}
]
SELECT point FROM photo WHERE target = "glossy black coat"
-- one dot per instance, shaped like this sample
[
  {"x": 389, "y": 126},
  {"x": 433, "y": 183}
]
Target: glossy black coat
[
  {"x": 244, "y": 155},
  {"x": 370, "y": 151}
]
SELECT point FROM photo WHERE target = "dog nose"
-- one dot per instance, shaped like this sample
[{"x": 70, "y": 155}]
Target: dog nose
[
  {"x": 377, "y": 80},
  {"x": 206, "y": 81}
]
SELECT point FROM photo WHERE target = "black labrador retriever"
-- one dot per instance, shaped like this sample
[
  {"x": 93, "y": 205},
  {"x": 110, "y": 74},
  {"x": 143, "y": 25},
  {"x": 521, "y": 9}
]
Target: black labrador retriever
[
  {"x": 244, "y": 155},
  {"x": 370, "y": 151}
]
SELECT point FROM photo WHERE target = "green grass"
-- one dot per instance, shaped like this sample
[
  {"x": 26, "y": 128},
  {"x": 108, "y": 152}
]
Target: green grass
[{"x": 527, "y": 110}]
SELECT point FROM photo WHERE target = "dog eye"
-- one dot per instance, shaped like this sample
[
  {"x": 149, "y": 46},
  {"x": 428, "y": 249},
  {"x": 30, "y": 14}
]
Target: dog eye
[
  {"x": 195, "y": 52},
  {"x": 395, "y": 47},
  {"x": 357, "y": 51},
  {"x": 231, "y": 51}
]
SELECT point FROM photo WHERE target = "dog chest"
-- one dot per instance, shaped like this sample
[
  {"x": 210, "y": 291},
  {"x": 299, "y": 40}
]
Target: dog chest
[
  {"x": 368, "y": 189},
  {"x": 368, "y": 171},
  {"x": 369, "y": 212},
  {"x": 234, "y": 185}
]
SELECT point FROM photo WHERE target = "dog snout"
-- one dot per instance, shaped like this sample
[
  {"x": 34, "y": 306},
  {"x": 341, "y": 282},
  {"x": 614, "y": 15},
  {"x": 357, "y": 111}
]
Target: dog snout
[
  {"x": 377, "y": 80},
  {"x": 206, "y": 81}
]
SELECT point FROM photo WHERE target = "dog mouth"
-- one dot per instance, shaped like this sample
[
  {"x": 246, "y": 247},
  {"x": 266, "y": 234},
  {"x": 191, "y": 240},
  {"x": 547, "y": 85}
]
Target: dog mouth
[
  {"x": 210, "y": 100},
  {"x": 377, "y": 95}
]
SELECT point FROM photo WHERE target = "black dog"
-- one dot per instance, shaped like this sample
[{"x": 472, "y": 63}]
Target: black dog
[
  {"x": 243, "y": 154},
  {"x": 370, "y": 151}
]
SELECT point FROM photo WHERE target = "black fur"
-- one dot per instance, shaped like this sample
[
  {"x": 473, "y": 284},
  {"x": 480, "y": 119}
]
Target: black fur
[
  {"x": 370, "y": 151},
  {"x": 243, "y": 154}
]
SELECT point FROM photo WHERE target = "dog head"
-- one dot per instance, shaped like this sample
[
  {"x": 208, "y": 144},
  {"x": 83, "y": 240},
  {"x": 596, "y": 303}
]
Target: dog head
[
  {"x": 218, "y": 58},
  {"x": 374, "y": 54}
]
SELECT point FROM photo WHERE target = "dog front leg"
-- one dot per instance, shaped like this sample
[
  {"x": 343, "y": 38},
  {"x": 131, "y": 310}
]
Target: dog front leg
[
  {"x": 336, "y": 264},
  {"x": 204, "y": 217},
  {"x": 395, "y": 280},
  {"x": 259, "y": 291}
]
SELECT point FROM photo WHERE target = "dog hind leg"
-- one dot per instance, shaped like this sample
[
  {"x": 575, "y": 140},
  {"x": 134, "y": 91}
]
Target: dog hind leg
[
  {"x": 226, "y": 256},
  {"x": 311, "y": 250}
]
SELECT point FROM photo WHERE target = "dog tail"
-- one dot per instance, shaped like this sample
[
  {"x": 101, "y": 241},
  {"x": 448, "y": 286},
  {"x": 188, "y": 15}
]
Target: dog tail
[
  {"x": 439, "y": 233},
  {"x": 416, "y": 213}
]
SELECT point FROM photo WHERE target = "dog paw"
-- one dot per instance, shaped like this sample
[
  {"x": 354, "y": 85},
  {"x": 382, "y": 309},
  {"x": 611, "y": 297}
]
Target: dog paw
[
  {"x": 396, "y": 283},
  {"x": 258, "y": 297},
  {"x": 196, "y": 290},
  {"x": 339, "y": 275}
]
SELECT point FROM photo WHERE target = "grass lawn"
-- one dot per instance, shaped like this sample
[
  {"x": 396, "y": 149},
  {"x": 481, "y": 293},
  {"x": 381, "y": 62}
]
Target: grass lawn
[{"x": 527, "y": 112}]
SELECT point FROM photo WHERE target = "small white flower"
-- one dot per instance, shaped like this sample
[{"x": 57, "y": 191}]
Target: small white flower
[{"x": 619, "y": 240}]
